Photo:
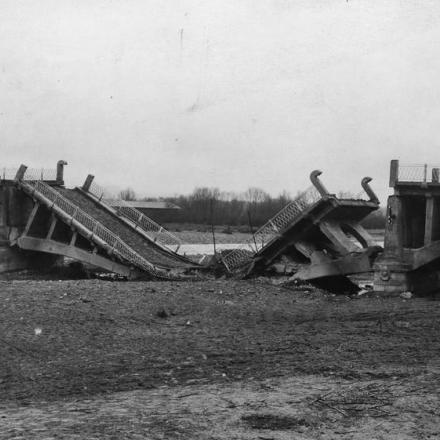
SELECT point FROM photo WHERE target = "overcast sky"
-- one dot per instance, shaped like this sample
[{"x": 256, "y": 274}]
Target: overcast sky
[{"x": 164, "y": 96}]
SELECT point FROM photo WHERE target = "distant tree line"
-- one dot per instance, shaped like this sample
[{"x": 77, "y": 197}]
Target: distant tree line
[{"x": 252, "y": 207}]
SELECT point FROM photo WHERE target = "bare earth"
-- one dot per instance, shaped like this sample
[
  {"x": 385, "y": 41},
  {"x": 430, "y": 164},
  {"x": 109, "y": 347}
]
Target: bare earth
[{"x": 224, "y": 359}]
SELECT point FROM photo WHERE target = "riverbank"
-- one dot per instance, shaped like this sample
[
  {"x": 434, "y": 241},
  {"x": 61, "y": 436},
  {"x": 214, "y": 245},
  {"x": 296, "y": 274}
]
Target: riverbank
[{"x": 214, "y": 360}]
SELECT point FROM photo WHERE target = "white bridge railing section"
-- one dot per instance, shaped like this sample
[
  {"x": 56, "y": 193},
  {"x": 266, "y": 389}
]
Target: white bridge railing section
[
  {"x": 41, "y": 191},
  {"x": 419, "y": 173},
  {"x": 30, "y": 174},
  {"x": 153, "y": 230},
  {"x": 271, "y": 229}
]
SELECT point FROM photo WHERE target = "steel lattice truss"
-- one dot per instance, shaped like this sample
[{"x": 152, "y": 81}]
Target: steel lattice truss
[
  {"x": 153, "y": 230},
  {"x": 95, "y": 230}
]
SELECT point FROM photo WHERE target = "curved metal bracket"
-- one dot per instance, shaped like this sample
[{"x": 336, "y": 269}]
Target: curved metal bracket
[
  {"x": 60, "y": 171},
  {"x": 314, "y": 177},
  {"x": 367, "y": 188}
]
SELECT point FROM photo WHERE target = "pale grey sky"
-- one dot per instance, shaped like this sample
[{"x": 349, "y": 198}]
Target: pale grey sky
[{"x": 164, "y": 96}]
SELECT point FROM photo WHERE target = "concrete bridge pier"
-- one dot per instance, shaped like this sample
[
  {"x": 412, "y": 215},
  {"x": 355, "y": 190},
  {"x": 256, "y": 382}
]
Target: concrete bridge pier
[
  {"x": 15, "y": 209},
  {"x": 411, "y": 257}
]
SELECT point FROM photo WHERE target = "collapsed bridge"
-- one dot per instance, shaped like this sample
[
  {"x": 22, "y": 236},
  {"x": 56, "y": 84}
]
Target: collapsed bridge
[
  {"x": 41, "y": 218},
  {"x": 319, "y": 234}
]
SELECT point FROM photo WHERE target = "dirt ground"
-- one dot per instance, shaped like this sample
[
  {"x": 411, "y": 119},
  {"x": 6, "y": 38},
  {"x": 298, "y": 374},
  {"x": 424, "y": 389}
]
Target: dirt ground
[{"x": 92, "y": 359}]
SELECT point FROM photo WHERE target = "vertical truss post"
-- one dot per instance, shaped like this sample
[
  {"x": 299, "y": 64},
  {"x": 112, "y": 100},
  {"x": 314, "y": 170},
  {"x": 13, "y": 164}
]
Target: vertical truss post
[
  {"x": 429, "y": 216},
  {"x": 31, "y": 218},
  {"x": 51, "y": 227},
  {"x": 73, "y": 238}
]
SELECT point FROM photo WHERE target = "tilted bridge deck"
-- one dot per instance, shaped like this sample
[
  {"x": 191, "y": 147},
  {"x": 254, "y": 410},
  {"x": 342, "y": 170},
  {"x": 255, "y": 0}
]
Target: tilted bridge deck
[
  {"x": 107, "y": 241},
  {"x": 315, "y": 232}
]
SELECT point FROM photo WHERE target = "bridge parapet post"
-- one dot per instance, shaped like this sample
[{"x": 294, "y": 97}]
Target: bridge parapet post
[
  {"x": 60, "y": 172},
  {"x": 21, "y": 172},
  {"x": 314, "y": 177},
  {"x": 88, "y": 183}
]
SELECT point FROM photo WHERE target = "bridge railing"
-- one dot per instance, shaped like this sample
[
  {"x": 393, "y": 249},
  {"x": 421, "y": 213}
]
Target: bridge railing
[
  {"x": 418, "y": 173},
  {"x": 153, "y": 230},
  {"x": 42, "y": 191},
  {"x": 244, "y": 253},
  {"x": 31, "y": 174}
]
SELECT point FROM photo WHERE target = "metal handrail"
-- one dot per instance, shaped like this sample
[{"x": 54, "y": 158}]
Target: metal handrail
[
  {"x": 273, "y": 227},
  {"x": 418, "y": 173},
  {"x": 153, "y": 230},
  {"x": 156, "y": 232},
  {"x": 31, "y": 174},
  {"x": 95, "y": 230}
]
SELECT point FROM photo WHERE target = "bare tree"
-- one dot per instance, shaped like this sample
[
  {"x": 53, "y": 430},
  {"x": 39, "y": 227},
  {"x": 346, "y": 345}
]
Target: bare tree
[
  {"x": 127, "y": 194},
  {"x": 255, "y": 195}
]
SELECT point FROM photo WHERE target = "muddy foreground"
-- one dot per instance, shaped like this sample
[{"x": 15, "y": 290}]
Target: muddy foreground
[{"x": 91, "y": 359}]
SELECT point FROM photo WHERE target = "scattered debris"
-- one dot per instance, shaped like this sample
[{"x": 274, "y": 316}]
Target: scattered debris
[
  {"x": 162, "y": 313},
  {"x": 406, "y": 295},
  {"x": 275, "y": 422}
]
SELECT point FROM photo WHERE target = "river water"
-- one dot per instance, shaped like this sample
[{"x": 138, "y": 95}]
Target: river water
[{"x": 208, "y": 249}]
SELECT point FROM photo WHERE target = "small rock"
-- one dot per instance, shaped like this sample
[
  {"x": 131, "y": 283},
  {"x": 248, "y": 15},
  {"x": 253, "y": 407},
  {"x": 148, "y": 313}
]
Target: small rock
[
  {"x": 162, "y": 313},
  {"x": 406, "y": 295}
]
